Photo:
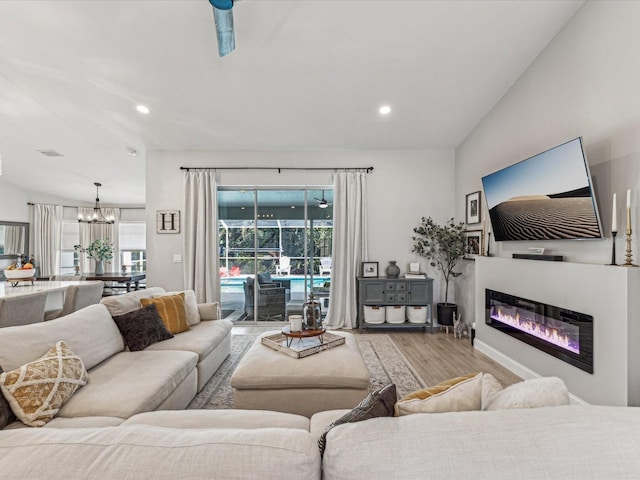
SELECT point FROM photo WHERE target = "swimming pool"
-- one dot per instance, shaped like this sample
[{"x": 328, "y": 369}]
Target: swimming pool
[{"x": 232, "y": 288}]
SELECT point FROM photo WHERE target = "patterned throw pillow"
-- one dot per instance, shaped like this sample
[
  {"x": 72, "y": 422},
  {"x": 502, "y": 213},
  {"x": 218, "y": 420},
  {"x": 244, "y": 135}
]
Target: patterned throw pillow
[
  {"x": 37, "y": 390},
  {"x": 142, "y": 327},
  {"x": 172, "y": 310},
  {"x": 377, "y": 404}
]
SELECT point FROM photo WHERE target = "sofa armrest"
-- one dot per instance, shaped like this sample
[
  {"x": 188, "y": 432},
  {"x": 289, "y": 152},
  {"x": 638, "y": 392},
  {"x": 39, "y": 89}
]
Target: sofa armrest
[{"x": 209, "y": 311}]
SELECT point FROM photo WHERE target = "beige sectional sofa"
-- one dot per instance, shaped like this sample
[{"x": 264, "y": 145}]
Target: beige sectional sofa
[
  {"x": 128, "y": 422},
  {"x": 566, "y": 442},
  {"x": 165, "y": 376}
]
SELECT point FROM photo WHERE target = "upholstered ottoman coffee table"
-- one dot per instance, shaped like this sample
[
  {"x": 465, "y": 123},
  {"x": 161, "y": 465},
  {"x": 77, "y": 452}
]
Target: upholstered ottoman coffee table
[{"x": 266, "y": 379}]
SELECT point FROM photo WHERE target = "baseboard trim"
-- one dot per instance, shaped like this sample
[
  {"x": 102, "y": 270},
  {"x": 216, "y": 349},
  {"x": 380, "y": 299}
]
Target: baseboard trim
[{"x": 516, "y": 367}]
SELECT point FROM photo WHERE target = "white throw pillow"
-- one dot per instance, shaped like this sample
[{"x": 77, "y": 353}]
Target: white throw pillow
[
  {"x": 534, "y": 393},
  {"x": 190, "y": 305}
]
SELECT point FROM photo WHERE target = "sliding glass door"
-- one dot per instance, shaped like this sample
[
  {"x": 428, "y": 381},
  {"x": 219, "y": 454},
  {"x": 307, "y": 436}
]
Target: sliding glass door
[{"x": 275, "y": 249}]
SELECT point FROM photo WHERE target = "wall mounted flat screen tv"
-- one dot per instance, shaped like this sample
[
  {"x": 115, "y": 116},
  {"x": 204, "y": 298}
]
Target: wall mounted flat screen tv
[{"x": 546, "y": 197}]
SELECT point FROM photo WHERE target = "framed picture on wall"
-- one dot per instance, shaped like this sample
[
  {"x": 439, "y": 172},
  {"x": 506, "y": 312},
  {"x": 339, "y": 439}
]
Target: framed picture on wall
[
  {"x": 473, "y": 243},
  {"x": 168, "y": 221},
  {"x": 472, "y": 209},
  {"x": 370, "y": 269}
]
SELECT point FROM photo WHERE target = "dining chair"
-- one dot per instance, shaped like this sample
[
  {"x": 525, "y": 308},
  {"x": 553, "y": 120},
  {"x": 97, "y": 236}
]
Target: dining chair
[
  {"x": 77, "y": 297},
  {"x": 22, "y": 309},
  {"x": 67, "y": 278}
]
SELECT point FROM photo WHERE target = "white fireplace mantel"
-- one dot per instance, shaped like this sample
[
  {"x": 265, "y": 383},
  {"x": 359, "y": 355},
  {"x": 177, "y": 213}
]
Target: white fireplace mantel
[{"x": 610, "y": 294}]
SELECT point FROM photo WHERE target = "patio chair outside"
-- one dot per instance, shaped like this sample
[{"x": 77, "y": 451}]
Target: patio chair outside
[
  {"x": 325, "y": 265},
  {"x": 284, "y": 266},
  {"x": 271, "y": 300}
]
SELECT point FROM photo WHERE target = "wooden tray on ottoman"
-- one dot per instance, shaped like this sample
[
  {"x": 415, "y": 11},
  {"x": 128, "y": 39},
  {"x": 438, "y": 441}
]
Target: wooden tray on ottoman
[{"x": 302, "y": 347}]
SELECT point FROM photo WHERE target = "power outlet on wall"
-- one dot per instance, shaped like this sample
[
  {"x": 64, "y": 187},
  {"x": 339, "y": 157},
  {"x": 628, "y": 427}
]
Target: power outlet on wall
[{"x": 177, "y": 258}]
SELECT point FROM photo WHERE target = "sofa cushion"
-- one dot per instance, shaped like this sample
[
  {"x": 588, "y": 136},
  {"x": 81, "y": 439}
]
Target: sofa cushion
[
  {"x": 172, "y": 311},
  {"x": 141, "y": 328},
  {"x": 76, "y": 422},
  {"x": 38, "y": 389},
  {"x": 379, "y": 403},
  {"x": 190, "y": 305},
  {"x": 534, "y": 393},
  {"x": 319, "y": 422},
  {"x": 209, "y": 311},
  {"x": 224, "y": 418},
  {"x": 201, "y": 339},
  {"x": 142, "y": 451},
  {"x": 130, "y": 383},
  {"x": 568, "y": 442},
  {"x": 89, "y": 332},
  {"x": 120, "y": 304},
  {"x": 453, "y": 395}
]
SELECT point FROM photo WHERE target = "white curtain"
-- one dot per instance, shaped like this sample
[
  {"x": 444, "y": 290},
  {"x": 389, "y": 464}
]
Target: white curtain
[
  {"x": 91, "y": 231},
  {"x": 349, "y": 247},
  {"x": 201, "y": 235},
  {"x": 47, "y": 237}
]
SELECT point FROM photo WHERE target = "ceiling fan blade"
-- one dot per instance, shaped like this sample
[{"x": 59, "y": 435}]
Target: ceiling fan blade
[{"x": 223, "y": 16}]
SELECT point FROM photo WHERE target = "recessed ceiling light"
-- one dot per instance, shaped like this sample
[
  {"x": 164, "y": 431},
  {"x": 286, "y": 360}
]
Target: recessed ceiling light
[
  {"x": 143, "y": 109},
  {"x": 385, "y": 110}
]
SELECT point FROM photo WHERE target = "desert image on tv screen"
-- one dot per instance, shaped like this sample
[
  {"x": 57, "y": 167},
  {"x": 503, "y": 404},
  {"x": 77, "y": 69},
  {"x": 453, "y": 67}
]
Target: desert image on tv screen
[{"x": 546, "y": 197}]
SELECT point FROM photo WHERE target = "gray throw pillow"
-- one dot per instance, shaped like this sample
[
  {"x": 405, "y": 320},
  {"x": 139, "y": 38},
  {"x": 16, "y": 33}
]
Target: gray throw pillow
[
  {"x": 142, "y": 327},
  {"x": 380, "y": 403}
]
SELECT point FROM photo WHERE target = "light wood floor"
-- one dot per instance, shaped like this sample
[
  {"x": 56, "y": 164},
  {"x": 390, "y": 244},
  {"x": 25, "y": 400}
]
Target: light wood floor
[{"x": 436, "y": 357}]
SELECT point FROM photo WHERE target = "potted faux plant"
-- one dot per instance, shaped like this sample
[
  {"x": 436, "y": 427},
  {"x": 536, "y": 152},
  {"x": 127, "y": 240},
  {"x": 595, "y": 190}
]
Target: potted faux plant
[
  {"x": 100, "y": 250},
  {"x": 443, "y": 246}
]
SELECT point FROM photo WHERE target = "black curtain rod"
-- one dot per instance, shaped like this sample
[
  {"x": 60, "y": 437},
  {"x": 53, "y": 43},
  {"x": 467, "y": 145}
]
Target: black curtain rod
[
  {"x": 279, "y": 169},
  {"x": 103, "y": 206}
]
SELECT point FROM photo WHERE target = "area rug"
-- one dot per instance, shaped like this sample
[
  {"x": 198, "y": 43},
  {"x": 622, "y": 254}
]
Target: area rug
[{"x": 385, "y": 362}]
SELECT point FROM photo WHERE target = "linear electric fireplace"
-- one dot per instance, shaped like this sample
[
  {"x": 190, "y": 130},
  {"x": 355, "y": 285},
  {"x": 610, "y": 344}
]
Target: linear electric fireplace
[{"x": 563, "y": 333}]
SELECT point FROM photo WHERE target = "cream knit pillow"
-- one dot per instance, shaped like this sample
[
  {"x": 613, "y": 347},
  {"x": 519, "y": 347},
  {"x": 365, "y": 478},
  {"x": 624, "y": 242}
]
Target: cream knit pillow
[{"x": 38, "y": 389}]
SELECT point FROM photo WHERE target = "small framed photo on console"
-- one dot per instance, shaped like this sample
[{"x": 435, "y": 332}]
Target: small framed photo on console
[
  {"x": 370, "y": 269},
  {"x": 472, "y": 208},
  {"x": 473, "y": 243}
]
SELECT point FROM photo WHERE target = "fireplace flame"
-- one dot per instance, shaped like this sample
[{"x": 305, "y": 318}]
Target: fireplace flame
[{"x": 550, "y": 334}]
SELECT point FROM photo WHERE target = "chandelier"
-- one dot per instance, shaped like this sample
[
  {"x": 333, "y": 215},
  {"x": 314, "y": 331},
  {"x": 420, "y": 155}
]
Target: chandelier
[{"x": 97, "y": 216}]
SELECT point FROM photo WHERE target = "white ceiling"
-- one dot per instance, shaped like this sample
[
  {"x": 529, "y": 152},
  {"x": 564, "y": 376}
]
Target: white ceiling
[{"x": 305, "y": 75}]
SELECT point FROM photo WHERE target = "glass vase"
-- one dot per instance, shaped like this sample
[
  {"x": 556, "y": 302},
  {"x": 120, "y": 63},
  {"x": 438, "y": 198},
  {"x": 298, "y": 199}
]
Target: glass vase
[{"x": 312, "y": 313}]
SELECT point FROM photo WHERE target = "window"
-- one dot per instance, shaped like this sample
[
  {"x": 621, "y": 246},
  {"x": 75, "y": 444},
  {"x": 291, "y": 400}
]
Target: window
[
  {"x": 133, "y": 246},
  {"x": 132, "y": 239},
  {"x": 286, "y": 233},
  {"x": 68, "y": 255}
]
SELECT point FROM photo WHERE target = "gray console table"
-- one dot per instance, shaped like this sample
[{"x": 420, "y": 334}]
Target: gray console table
[{"x": 395, "y": 291}]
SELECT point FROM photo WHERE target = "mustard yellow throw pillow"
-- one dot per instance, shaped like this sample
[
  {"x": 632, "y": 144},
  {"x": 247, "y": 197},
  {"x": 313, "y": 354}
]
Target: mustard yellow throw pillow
[
  {"x": 172, "y": 310},
  {"x": 454, "y": 395},
  {"x": 38, "y": 389}
]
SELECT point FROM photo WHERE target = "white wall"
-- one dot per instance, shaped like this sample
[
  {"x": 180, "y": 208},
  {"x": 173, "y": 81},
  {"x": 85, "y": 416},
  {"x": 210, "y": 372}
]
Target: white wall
[
  {"x": 404, "y": 186},
  {"x": 13, "y": 203},
  {"x": 585, "y": 83}
]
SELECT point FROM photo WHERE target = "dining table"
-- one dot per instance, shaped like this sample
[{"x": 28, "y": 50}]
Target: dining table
[{"x": 130, "y": 280}]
